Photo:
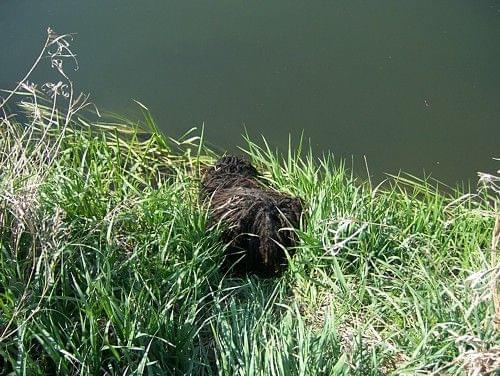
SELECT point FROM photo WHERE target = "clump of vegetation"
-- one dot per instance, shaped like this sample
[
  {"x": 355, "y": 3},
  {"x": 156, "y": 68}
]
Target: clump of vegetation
[{"x": 107, "y": 268}]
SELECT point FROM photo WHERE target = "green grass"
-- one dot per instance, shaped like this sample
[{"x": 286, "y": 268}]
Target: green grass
[{"x": 106, "y": 266}]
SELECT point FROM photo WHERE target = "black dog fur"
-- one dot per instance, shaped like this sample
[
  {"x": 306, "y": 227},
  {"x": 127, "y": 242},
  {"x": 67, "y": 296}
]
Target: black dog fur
[{"x": 258, "y": 222}]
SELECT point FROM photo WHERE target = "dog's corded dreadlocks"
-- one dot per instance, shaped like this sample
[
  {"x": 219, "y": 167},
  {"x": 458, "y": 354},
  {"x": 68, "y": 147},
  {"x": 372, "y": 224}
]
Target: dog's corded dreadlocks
[{"x": 258, "y": 222}]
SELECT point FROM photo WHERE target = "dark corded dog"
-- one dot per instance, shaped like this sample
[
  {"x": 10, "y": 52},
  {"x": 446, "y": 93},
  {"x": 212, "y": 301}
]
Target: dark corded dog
[{"x": 258, "y": 222}]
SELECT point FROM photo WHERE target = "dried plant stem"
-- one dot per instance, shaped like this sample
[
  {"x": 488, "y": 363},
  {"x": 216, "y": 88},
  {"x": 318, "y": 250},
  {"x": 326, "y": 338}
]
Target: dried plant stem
[
  {"x": 495, "y": 283},
  {"x": 35, "y": 64}
]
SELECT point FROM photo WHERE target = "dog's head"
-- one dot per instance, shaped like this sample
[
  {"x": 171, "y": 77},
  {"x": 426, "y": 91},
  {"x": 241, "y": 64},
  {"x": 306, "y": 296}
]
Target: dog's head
[
  {"x": 235, "y": 165},
  {"x": 228, "y": 171}
]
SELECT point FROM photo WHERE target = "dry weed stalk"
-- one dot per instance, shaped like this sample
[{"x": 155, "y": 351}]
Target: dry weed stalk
[
  {"x": 495, "y": 279},
  {"x": 491, "y": 183},
  {"x": 27, "y": 153},
  {"x": 476, "y": 356}
]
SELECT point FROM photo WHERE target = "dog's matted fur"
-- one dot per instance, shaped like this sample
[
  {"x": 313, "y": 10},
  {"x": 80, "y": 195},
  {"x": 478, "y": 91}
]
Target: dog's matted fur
[{"x": 258, "y": 222}]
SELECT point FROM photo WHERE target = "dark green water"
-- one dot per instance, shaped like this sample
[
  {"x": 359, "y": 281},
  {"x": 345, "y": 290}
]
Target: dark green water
[{"x": 413, "y": 85}]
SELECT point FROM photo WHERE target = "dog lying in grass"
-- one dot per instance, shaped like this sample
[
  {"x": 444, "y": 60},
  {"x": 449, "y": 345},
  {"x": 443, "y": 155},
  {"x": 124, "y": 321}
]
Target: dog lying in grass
[{"x": 258, "y": 223}]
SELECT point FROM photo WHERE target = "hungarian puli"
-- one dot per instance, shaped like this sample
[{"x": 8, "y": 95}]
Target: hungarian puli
[{"x": 258, "y": 223}]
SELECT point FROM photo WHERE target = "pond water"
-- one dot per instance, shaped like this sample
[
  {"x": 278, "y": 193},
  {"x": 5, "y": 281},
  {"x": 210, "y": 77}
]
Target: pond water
[{"x": 412, "y": 85}]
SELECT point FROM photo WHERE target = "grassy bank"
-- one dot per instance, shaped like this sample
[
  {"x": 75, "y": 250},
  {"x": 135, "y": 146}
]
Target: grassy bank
[{"x": 106, "y": 266}]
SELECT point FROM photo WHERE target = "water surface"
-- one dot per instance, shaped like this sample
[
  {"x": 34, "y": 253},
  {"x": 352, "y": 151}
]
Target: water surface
[{"x": 413, "y": 85}]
